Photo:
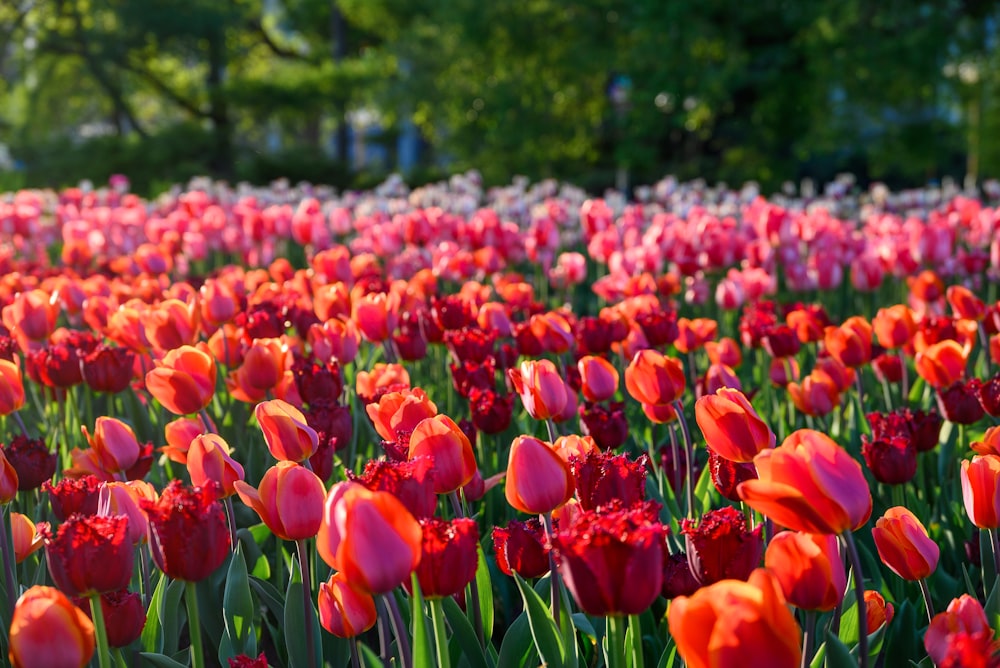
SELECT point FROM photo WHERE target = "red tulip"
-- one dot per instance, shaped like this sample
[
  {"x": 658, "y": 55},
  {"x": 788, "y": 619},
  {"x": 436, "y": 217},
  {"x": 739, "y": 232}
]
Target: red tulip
[
  {"x": 521, "y": 548},
  {"x": 964, "y": 616},
  {"x": 123, "y": 498},
  {"x": 412, "y": 482},
  {"x": 286, "y": 432},
  {"x": 980, "y": 490},
  {"x": 124, "y": 616},
  {"x": 114, "y": 444},
  {"x": 48, "y": 630},
  {"x": 448, "y": 556},
  {"x": 89, "y": 554},
  {"x": 188, "y": 533},
  {"x": 443, "y": 442},
  {"x": 721, "y": 546},
  {"x": 809, "y": 568},
  {"x": 184, "y": 380},
  {"x": 208, "y": 458},
  {"x": 538, "y": 479},
  {"x": 731, "y": 426},
  {"x": 542, "y": 389},
  {"x": 344, "y": 611},
  {"x": 289, "y": 500},
  {"x": 71, "y": 496},
  {"x": 8, "y": 480},
  {"x": 599, "y": 377},
  {"x": 904, "y": 546},
  {"x": 602, "y": 477},
  {"x": 942, "y": 364}
]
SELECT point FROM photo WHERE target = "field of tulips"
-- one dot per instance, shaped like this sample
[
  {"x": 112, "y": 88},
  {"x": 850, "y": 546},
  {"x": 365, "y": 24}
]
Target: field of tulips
[{"x": 461, "y": 427}]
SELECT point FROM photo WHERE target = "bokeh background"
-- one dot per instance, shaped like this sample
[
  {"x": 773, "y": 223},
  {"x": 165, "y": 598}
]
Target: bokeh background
[{"x": 601, "y": 92}]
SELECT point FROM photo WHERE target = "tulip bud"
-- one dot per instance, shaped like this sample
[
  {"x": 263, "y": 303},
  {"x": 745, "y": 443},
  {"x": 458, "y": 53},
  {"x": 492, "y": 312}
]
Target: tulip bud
[
  {"x": 448, "y": 448},
  {"x": 538, "y": 479},
  {"x": 521, "y": 548},
  {"x": 115, "y": 444},
  {"x": 288, "y": 436},
  {"x": 599, "y": 376},
  {"x": 344, "y": 611},
  {"x": 11, "y": 387},
  {"x": 731, "y": 426},
  {"x": 184, "y": 380},
  {"x": 904, "y": 546},
  {"x": 26, "y": 539},
  {"x": 289, "y": 500},
  {"x": 208, "y": 458},
  {"x": 542, "y": 389},
  {"x": 809, "y": 568},
  {"x": 48, "y": 630}
]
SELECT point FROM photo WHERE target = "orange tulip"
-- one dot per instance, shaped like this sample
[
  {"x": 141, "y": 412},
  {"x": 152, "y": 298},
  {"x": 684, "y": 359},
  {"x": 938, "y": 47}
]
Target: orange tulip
[
  {"x": 724, "y": 623},
  {"x": 368, "y": 536},
  {"x": 599, "y": 378},
  {"x": 172, "y": 324},
  {"x": 573, "y": 445},
  {"x": 332, "y": 301},
  {"x": 208, "y": 458},
  {"x": 877, "y": 611},
  {"x": 375, "y": 315},
  {"x": 183, "y": 381},
  {"x": 731, "y": 426},
  {"x": 400, "y": 411},
  {"x": 851, "y": 343},
  {"x": 894, "y": 326},
  {"x": 48, "y": 630},
  {"x": 344, "y": 611},
  {"x": 980, "y": 490},
  {"x": 965, "y": 304},
  {"x": 542, "y": 389},
  {"x": 816, "y": 395},
  {"x": 447, "y": 446},
  {"x": 31, "y": 317},
  {"x": 553, "y": 332},
  {"x": 289, "y": 500},
  {"x": 990, "y": 445},
  {"x": 724, "y": 351},
  {"x": 925, "y": 287},
  {"x": 538, "y": 479},
  {"x": 26, "y": 539},
  {"x": 809, "y": 568},
  {"x": 8, "y": 480},
  {"x": 382, "y": 376},
  {"x": 904, "y": 546},
  {"x": 179, "y": 434},
  {"x": 125, "y": 498},
  {"x": 809, "y": 484},
  {"x": 808, "y": 324},
  {"x": 656, "y": 381},
  {"x": 114, "y": 443},
  {"x": 694, "y": 334},
  {"x": 942, "y": 364},
  {"x": 11, "y": 387},
  {"x": 493, "y": 317},
  {"x": 286, "y": 432}
]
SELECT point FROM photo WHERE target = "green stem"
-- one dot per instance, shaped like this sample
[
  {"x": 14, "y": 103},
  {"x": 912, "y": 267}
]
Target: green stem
[
  {"x": 97, "y": 613},
  {"x": 307, "y": 600},
  {"x": 440, "y": 633},
  {"x": 926, "y": 593},
  {"x": 859, "y": 593},
  {"x": 809, "y": 638},
  {"x": 635, "y": 636},
  {"x": 6, "y": 546},
  {"x": 615, "y": 640},
  {"x": 554, "y": 584},
  {"x": 689, "y": 451},
  {"x": 194, "y": 625}
]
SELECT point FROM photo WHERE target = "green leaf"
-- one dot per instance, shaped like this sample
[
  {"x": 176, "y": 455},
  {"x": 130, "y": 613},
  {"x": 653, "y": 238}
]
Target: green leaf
[
  {"x": 992, "y": 607},
  {"x": 904, "y": 641},
  {"x": 161, "y": 661},
  {"x": 484, "y": 586},
  {"x": 582, "y": 622},
  {"x": 849, "y": 618},
  {"x": 517, "y": 650},
  {"x": 464, "y": 634},
  {"x": 270, "y": 596},
  {"x": 423, "y": 652},
  {"x": 295, "y": 621},
  {"x": 239, "y": 635},
  {"x": 165, "y": 618},
  {"x": 369, "y": 658},
  {"x": 547, "y": 639},
  {"x": 254, "y": 556},
  {"x": 917, "y": 390},
  {"x": 837, "y": 654},
  {"x": 668, "y": 657}
]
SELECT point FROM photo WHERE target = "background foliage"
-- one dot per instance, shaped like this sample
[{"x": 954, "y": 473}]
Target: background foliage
[{"x": 250, "y": 89}]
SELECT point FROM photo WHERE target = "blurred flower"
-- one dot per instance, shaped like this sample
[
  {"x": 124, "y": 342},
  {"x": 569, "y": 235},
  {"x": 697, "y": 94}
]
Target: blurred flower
[{"x": 48, "y": 630}]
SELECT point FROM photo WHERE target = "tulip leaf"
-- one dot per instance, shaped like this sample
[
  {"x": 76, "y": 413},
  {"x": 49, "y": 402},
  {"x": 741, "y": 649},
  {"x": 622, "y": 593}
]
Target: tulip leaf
[
  {"x": 582, "y": 622},
  {"x": 270, "y": 596},
  {"x": 568, "y": 629},
  {"x": 484, "y": 587},
  {"x": 239, "y": 635},
  {"x": 257, "y": 563},
  {"x": 849, "y": 619},
  {"x": 837, "y": 654},
  {"x": 161, "y": 661},
  {"x": 904, "y": 642},
  {"x": 295, "y": 622},
  {"x": 668, "y": 657},
  {"x": 992, "y": 607},
  {"x": 165, "y": 617},
  {"x": 464, "y": 634},
  {"x": 369, "y": 658},
  {"x": 423, "y": 653},
  {"x": 517, "y": 647},
  {"x": 546, "y": 635},
  {"x": 917, "y": 390}
]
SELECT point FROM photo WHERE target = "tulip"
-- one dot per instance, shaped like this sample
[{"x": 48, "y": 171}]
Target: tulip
[
  {"x": 731, "y": 426},
  {"x": 11, "y": 387},
  {"x": 964, "y": 303},
  {"x": 188, "y": 533},
  {"x": 727, "y": 474},
  {"x": 942, "y": 364},
  {"x": 183, "y": 381},
  {"x": 344, "y": 611},
  {"x": 448, "y": 448},
  {"x": 448, "y": 556},
  {"x": 71, "y": 496},
  {"x": 606, "y": 425},
  {"x": 369, "y": 536},
  {"x": 31, "y": 317},
  {"x": 980, "y": 490},
  {"x": 599, "y": 377},
  {"x": 851, "y": 343},
  {"x": 809, "y": 484},
  {"x": 48, "y": 630},
  {"x": 263, "y": 368},
  {"x": 892, "y": 461},
  {"x": 123, "y": 498},
  {"x": 114, "y": 444},
  {"x": 289, "y": 500},
  {"x": 179, "y": 433},
  {"x": 382, "y": 376},
  {"x": 809, "y": 568},
  {"x": 399, "y": 412},
  {"x": 8, "y": 480},
  {"x": 694, "y": 334},
  {"x": 725, "y": 623},
  {"x": 904, "y": 546},
  {"x": 878, "y": 613},
  {"x": 538, "y": 479},
  {"x": 655, "y": 380},
  {"x": 725, "y": 351},
  {"x": 520, "y": 548},
  {"x": 894, "y": 326},
  {"x": 721, "y": 546},
  {"x": 375, "y": 315},
  {"x": 172, "y": 324},
  {"x": 26, "y": 540},
  {"x": 412, "y": 482},
  {"x": 959, "y": 403},
  {"x": 89, "y": 554},
  {"x": 542, "y": 389},
  {"x": 107, "y": 369},
  {"x": 286, "y": 432},
  {"x": 573, "y": 445},
  {"x": 601, "y": 478},
  {"x": 491, "y": 412},
  {"x": 32, "y": 461},
  {"x": 604, "y": 555},
  {"x": 208, "y": 458},
  {"x": 124, "y": 616},
  {"x": 964, "y": 615}
]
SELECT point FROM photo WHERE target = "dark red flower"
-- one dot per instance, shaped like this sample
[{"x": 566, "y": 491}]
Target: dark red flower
[
  {"x": 611, "y": 559},
  {"x": 264, "y": 320},
  {"x": 925, "y": 428},
  {"x": 32, "y": 460},
  {"x": 55, "y": 366},
  {"x": 989, "y": 396},
  {"x": 606, "y": 425},
  {"x": 727, "y": 475},
  {"x": 124, "y": 615},
  {"x": 758, "y": 318},
  {"x": 334, "y": 430},
  {"x": 602, "y": 477},
  {"x": 888, "y": 368},
  {"x": 491, "y": 412},
  {"x": 89, "y": 554},
  {"x": 448, "y": 556},
  {"x": 453, "y": 312},
  {"x": 107, "y": 369},
  {"x": 410, "y": 340},
  {"x": 593, "y": 336},
  {"x": 520, "y": 548},
  {"x": 469, "y": 375},
  {"x": 659, "y": 326},
  {"x": 188, "y": 533},
  {"x": 73, "y": 496},
  {"x": 319, "y": 385},
  {"x": 506, "y": 357},
  {"x": 780, "y": 341},
  {"x": 678, "y": 580},
  {"x": 892, "y": 461},
  {"x": 409, "y": 481},
  {"x": 471, "y": 344},
  {"x": 959, "y": 403},
  {"x": 528, "y": 344},
  {"x": 720, "y": 547},
  {"x": 244, "y": 661}
]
